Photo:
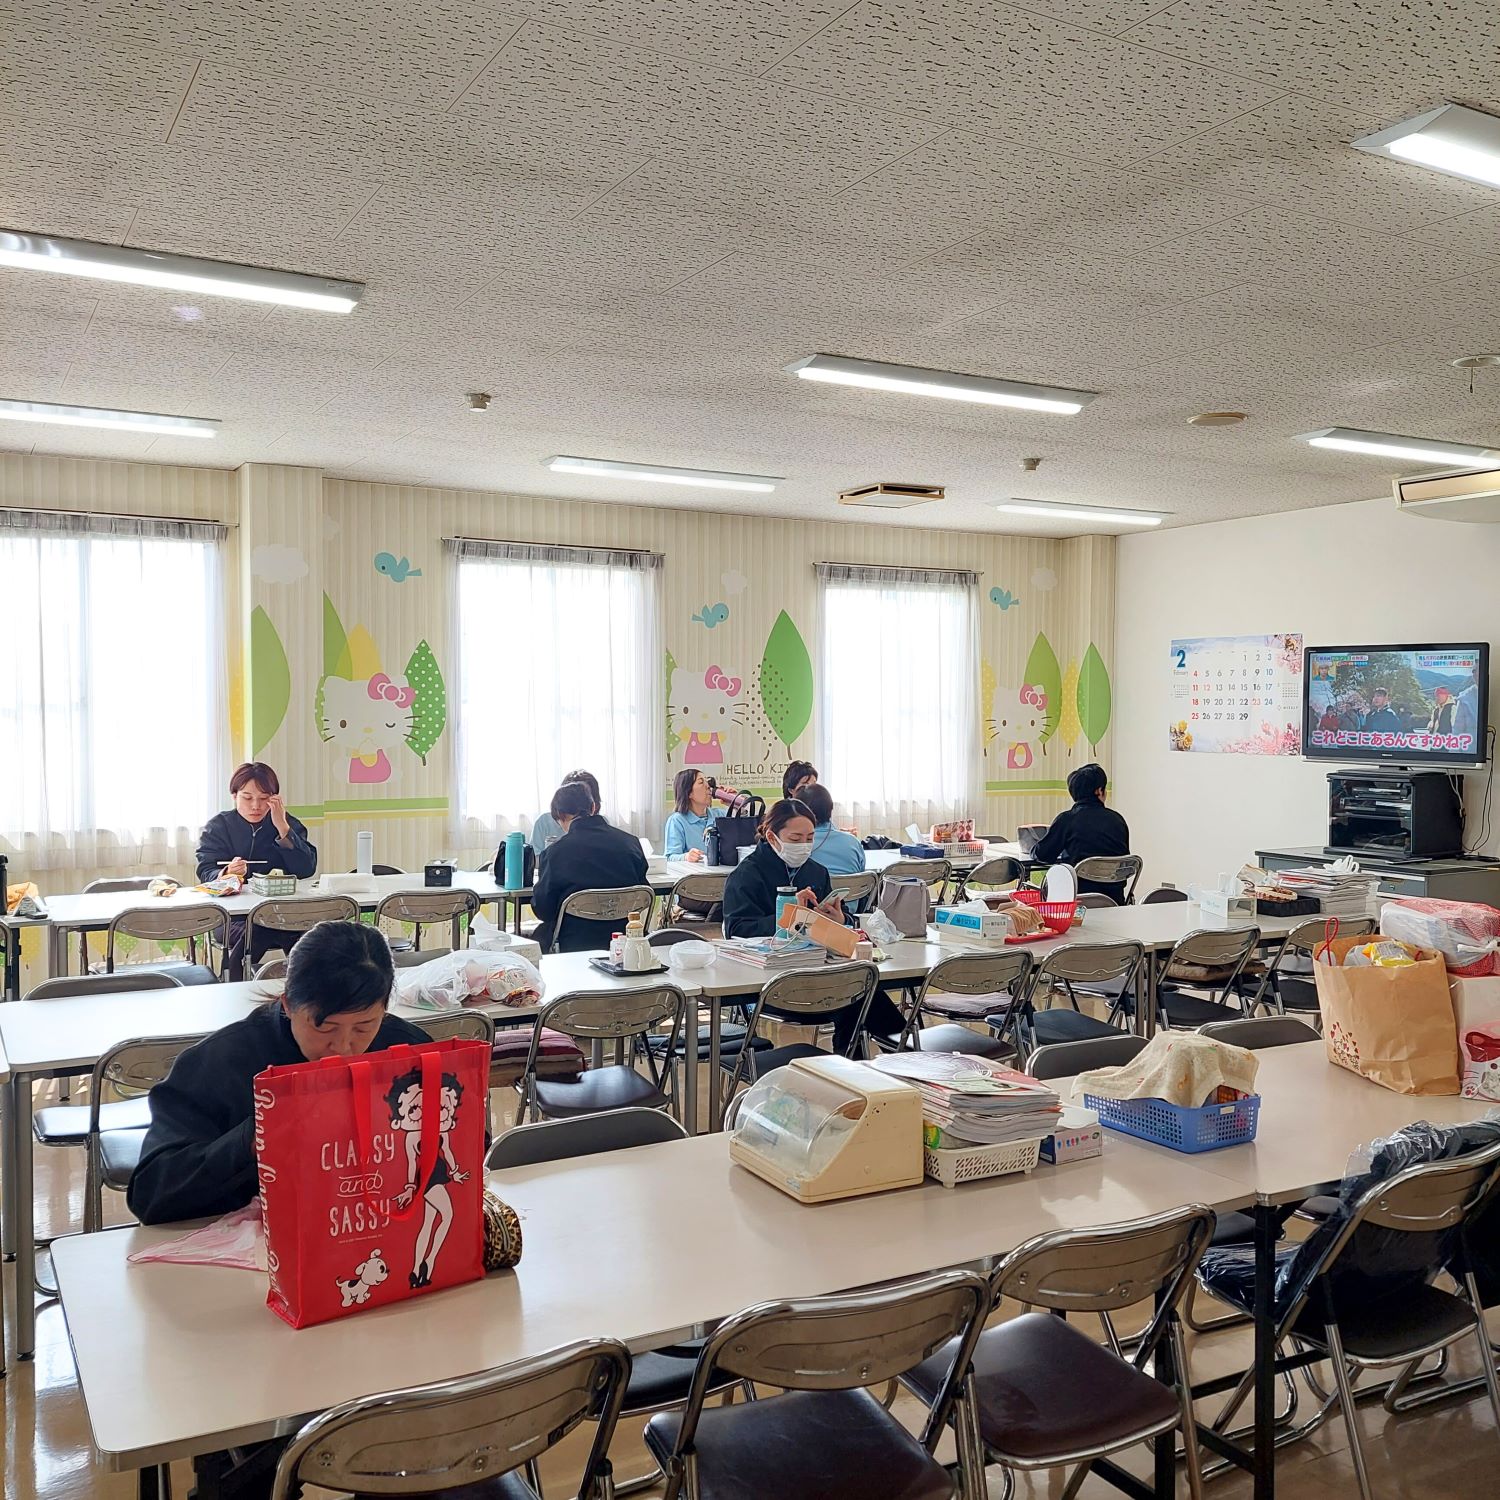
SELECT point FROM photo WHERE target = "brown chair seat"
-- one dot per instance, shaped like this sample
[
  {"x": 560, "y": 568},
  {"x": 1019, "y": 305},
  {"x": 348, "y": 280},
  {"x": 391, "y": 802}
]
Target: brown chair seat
[
  {"x": 558, "y": 1056},
  {"x": 956, "y": 1038},
  {"x": 1046, "y": 1390},
  {"x": 612, "y": 1087},
  {"x": 68, "y": 1124},
  {"x": 805, "y": 1445}
]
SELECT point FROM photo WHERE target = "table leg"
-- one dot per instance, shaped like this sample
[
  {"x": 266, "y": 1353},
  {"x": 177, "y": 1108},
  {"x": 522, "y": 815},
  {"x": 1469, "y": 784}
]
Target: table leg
[
  {"x": 57, "y": 951},
  {"x": 8, "y": 1149},
  {"x": 1265, "y": 1352},
  {"x": 716, "y": 1073},
  {"x": 153, "y": 1483},
  {"x": 25, "y": 1231},
  {"x": 690, "y": 1068},
  {"x": 1149, "y": 974}
]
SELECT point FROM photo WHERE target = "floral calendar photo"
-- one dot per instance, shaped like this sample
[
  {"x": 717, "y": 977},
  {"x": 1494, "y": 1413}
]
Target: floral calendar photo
[{"x": 1237, "y": 695}]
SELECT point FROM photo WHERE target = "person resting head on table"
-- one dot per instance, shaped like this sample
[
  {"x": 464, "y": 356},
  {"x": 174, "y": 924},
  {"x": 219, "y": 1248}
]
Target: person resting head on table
[
  {"x": 687, "y": 827},
  {"x": 783, "y": 857},
  {"x": 545, "y": 829},
  {"x": 591, "y": 855},
  {"x": 198, "y": 1159}
]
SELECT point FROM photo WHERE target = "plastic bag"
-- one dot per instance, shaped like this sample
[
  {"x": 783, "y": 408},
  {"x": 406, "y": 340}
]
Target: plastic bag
[
  {"x": 1466, "y": 933},
  {"x": 469, "y": 976},
  {"x": 879, "y": 928},
  {"x": 237, "y": 1240}
]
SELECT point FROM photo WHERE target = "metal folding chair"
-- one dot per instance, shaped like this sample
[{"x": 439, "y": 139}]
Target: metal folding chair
[
  {"x": 1287, "y": 985},
  {"x": 604, "y": 905},
  {"x": 999, "y": 874},
  {"x": 297, "y": 914},
  {"x": 933, "y": 873},
  {"x": 967, "y": 987},
  {"x": 1111, "y": 967},
  {"x": 1211, "y": 959},
  {"x": 168, "y": 924},
  {"x": 423, "y": 908},
  {"x": 1110, "y": 869},
  {"x": 1064, "y": 1059}
]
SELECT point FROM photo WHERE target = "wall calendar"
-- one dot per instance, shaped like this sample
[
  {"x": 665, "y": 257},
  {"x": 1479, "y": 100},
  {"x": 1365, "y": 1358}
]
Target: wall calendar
[{"x": 1237, "y": 695}]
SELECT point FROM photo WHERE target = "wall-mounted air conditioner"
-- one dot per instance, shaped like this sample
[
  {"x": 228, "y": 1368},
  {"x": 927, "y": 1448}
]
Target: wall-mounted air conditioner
[{"x": 1469, "y": 495}]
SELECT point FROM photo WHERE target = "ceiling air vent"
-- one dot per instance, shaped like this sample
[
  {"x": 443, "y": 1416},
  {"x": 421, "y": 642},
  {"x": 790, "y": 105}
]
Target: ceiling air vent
[
  {"x": 886, "y": 496},
  {"x": 1472, "y": 495}
]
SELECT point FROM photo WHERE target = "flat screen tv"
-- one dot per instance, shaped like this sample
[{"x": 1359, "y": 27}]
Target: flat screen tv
[{"x": 1414, "y": 705}]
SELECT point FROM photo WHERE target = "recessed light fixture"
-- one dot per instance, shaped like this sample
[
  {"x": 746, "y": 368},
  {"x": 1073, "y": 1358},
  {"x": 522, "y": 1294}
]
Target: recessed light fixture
[
  {"x": 712, "y": 479},
  {"x": 910, "y": 380},
  {"x": 1106, "y": 515},
  {"x": 117, "y": 421},
  {"x": 1451, "y": 138},
  {"x": 1217, "y": 419},
  {"x": 1393, "y": 445},
  {"x": 179, "y": 273}
]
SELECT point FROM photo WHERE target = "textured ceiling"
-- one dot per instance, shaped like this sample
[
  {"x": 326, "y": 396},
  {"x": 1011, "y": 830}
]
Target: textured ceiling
[{"x": 624, "y": 219}]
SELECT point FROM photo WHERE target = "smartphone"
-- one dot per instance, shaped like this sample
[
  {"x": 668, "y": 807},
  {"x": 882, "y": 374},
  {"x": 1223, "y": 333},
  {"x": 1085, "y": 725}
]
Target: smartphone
[{"x": 839, "y": 893}]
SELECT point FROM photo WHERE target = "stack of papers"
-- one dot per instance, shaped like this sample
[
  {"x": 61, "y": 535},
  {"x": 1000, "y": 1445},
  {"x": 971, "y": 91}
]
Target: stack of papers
[
  {"x": 774, "y": 952},
  {"x": 972, "y": 1101},
  {"x": 1339, "y": 893}
]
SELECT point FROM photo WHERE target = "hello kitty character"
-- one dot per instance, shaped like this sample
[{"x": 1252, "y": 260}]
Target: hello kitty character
[
  {"x": 1482, "y": 1065},
  {"x": 1018, "y": 719},
  {"x": 367, "y": 718},
  {"x": 705, "y": 708},
  {"x": 356, "y": 1290}
]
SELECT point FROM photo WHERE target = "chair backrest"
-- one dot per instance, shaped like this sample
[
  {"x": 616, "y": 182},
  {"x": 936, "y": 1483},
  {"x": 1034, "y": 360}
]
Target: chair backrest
[
  {"x": 1260, "y": 1032},
  {"x": 113, "y": 883},
  {"x": 993, "y": 874},
  {"x": 130, "y": 1069},
  {"x": 667, "y": 936},
  {"x": 298, "y": 913},
  {"x": 1216, "y": 948},
  {"x": 414, "y": 958},
  {"x": 273, "y": 968},
  {"x": 707, "y": 887},
  {"x": 93, "y": 984},
  {"x": 462, "y": 1432},
  {"x": 1096, "y": 899},
  {"x": 1089, "y": 963},
  {"x": 978, "y": 974},
  {"x": 465, "y": 1026},
  {"x": 1063, "y": 1059},
  {"x": 166, "y": 924},
  {"x": 1117, "y": 1265},
  {"x": 394, "y": 870},
  {"x": 1111, "y": 869},
  {"x": 450, "y": 904},
  {"x": 601, "y": 1015},
  {"x": 819, "y": 992},
  {"x": 582, "y": 1135},
  {"x": 848, "y": 1341},
  {"x": 862, "y": 887},
  {"x": 928, "y": 871},
  {"x": 1305, "y": 937},
  {"x": 605, "y": 904},
  {"x": 1164, "y": 893}
]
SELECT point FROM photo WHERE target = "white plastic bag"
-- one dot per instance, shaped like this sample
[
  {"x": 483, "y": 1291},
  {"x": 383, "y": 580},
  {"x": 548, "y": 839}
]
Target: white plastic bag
[
  {"x": 879, "y": 928},
  {"x": 469, "y": 976}
]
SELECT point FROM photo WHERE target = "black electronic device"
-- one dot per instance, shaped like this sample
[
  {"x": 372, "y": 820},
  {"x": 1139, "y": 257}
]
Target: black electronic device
[{"x": 1397, "y": 815}]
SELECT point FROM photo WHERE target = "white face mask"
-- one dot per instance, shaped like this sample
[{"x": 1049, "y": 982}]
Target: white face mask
[{"x": 793, "y": 856}]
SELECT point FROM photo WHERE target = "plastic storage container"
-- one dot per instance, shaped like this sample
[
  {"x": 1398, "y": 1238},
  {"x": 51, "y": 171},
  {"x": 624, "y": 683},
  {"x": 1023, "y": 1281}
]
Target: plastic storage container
[
  {"x": 974, "y": 1163},
  {"x": 1207, "y": 1128}
]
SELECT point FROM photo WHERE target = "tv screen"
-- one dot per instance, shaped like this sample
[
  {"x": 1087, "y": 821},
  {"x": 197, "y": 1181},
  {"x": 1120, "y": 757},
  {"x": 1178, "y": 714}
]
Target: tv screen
[{"x": 1410, "y": 704}]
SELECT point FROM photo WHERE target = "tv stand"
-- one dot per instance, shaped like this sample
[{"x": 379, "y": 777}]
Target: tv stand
[{"x": 1456, "y": 879}]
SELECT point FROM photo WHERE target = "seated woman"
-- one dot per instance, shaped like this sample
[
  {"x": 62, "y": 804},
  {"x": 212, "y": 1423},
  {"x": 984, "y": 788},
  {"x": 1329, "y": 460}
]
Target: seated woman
[
  {"x": 798, "y": 776},
  {"x": 591, "y": 855},
  {"x": 198, "y": 1159},
  {"x": 687, "y": 828},
  {"x": 545, "y": 830},
  {"x": 1086, "y": 829},
  {"x": 838, "y": 852},
  {"x": 784, "y": 858}
]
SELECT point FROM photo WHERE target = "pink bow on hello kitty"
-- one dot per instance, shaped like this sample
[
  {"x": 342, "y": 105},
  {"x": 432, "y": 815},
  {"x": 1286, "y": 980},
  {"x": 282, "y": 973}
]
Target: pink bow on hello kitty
[
  {"x": 1034, "y": 696},
  {"x": 715, "y": 678},
  {"x": 382, "y": 689}
]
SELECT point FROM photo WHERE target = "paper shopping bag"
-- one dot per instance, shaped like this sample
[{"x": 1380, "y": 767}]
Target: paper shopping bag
[
  {"x": 371, "y": 1177},
  {"x": 1476, "y": 1013},
  {"x": 1393, "y": 1026}
]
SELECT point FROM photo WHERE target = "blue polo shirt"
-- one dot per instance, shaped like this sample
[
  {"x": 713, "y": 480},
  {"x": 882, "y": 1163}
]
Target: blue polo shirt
[
  {"x": 688, "y": 830},
  {"x": 838, "y": 852}
]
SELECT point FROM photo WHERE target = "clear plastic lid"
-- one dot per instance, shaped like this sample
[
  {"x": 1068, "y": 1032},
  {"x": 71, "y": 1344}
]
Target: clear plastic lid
[{"x": 798, "y": 1120}]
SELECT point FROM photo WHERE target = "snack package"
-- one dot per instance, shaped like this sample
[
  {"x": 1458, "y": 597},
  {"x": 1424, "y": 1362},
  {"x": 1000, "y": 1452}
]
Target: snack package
[
  {"x": 1466, "y": 933},
  {"x": 222, "y": 885},
  {"x": 469, "y": 976}
]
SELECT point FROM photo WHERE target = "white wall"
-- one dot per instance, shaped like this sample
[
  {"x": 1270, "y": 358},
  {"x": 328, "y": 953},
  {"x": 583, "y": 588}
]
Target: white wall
[{"x": 1345, "y": 573}]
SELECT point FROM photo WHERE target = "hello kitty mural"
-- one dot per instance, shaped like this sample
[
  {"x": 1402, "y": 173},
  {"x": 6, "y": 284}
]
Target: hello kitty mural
[
  {"x": 368, "y": 713},
  {"x": 1018, "y": 720},
  {"x": 704, "y": 707}
]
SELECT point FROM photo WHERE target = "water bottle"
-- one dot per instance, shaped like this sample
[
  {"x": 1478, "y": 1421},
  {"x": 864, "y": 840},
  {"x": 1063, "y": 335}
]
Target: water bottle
[{"x": 785, "y": 896}]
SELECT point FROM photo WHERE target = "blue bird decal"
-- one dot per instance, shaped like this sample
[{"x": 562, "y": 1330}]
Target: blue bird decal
[
  {"x": 711, "y": 614},
  {"x": 397, "y": 572},
  {"x": 1004, "y": 598}
]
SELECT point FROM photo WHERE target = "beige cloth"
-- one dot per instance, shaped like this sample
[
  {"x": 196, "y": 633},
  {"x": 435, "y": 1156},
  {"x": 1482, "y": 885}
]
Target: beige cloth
[{"x": 1178, "y": 1066}]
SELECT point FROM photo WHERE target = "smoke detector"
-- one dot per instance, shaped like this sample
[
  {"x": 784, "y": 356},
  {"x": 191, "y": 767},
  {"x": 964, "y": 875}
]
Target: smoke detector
[
  {"x": 887, "y": 495},
  {"x": 479, "y": 400}
]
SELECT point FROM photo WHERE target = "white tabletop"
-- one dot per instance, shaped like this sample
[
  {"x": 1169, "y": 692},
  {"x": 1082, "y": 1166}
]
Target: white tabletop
[
  {"x": 1164, "y": 923},
  {"x": 604, "y": 1255}
]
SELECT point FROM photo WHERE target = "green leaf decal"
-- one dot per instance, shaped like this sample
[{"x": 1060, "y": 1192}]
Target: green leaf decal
[
  {"x": 671, "y": 739},
  {"x": 1094, "y": 703},
  {"x": 429, "y": 711},
  {"x": 1042, "y": 671},
  {"x": 336, "y": 660},
  {"x": 786, "y": 681},
  {"x": 270, "y": 681}
]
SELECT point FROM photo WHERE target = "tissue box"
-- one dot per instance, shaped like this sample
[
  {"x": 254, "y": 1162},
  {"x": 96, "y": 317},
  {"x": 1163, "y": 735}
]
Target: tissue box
[
  {"x": 1225, "y": 904},
  {"x": 923, "y": 851},
  {"x": 1077, "y": 1137},
  {"x": 955, "y": 921}
]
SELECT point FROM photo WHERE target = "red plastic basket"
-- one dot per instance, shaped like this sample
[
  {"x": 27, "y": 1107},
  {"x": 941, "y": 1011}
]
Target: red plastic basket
[{"x": 1058, "y": 915}]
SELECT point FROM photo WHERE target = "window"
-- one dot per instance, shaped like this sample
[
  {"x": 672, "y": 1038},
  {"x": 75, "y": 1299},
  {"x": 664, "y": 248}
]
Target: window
[
  {"x": 560, "y": 667},
  {"x": 899, "y": 728},
  {"x": 113, "y": 732}
]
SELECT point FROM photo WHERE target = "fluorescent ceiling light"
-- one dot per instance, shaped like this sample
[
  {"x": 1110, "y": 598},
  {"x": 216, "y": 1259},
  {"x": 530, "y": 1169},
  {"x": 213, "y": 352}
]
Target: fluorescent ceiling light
[
  {"x": 115, "y": 421},
  {"x": 1393, "y": 445},
  {"x": 712, "y": 479},
  {"x": 1106, "y": 515},
  {"x": 179, "y": 273},
  {"x": 1452, "y": 138},
  {"x": 875, "y": 375}
]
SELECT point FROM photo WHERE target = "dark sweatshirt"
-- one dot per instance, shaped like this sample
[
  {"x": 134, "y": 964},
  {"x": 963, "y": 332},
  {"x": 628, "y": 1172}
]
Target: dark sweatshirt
[
  {"x": 199, "y": 1157},
  {"x": 592, "y": 855},
  {"x": 228, "y": 836},
  {"x": 750, "y": 891},
  {"x": 1086, "y": 829}
]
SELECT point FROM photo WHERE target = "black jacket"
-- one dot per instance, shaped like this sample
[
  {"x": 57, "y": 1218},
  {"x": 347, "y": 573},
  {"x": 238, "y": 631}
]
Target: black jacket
[
  {"x": 750, "y": 891},
  {"x": 1084, "y": 830},
  {"x": 228, "y": 836},
  {"x": 592, "y": 855},
  {"x": 199, "y": 1156}
]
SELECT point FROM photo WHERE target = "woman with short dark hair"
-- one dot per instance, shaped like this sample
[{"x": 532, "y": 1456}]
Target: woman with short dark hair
[
  {"x": 591, "y": 854},
  {"x": 198, "y": 1159},
  {"x": 257, "y": 834},
  {"x": 799, "y": 775}
]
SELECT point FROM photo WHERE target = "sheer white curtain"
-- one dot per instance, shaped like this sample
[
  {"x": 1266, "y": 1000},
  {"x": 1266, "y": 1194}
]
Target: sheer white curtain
[
  {"x": 113, "y": 724},
  {"x": 560, "y": 668},
  {"x": 899, "y": 724}
]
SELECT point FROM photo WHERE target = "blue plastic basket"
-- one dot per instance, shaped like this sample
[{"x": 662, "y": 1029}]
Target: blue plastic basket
[{"x": 1206, "y": 1128}]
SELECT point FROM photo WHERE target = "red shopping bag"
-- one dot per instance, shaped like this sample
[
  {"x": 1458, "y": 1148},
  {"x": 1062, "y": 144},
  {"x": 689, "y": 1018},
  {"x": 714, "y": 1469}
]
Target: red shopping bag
[{"x": 371, "y": 1177}]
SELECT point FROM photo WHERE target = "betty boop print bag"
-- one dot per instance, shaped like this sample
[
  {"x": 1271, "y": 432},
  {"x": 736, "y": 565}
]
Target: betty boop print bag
[{"x": 371, "y": 1177}]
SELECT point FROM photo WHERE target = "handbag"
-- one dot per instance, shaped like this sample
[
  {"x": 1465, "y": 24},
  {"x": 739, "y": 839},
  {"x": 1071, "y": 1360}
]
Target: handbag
[
  {"x": 904, "y": 901},
  {"x": 737, "y": 829},
  {"x": 371, "y": 1177}
]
